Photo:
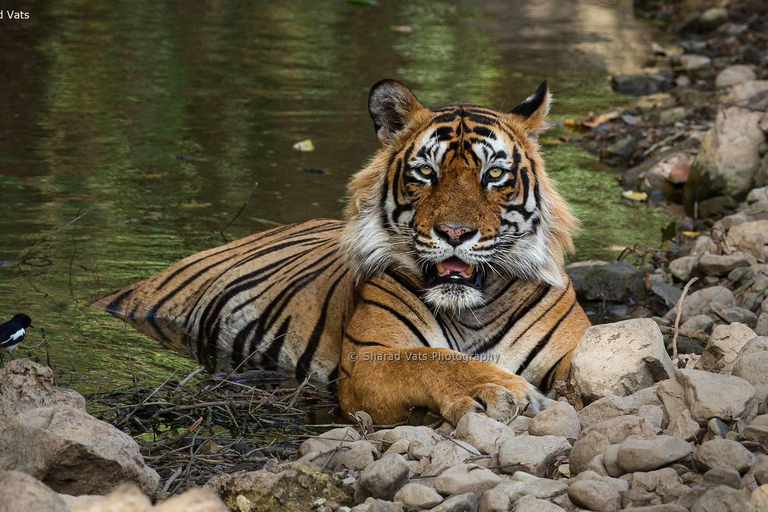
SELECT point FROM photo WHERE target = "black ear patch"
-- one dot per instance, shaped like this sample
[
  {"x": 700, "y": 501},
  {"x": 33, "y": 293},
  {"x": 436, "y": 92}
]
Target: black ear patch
[
  {"x": 532, "y": 103},
  {"x": 391, "y": 105}
]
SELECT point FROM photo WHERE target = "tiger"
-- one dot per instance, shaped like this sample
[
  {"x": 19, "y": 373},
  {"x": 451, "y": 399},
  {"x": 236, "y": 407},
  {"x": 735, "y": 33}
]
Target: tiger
[{"x": 443, "y": 288}]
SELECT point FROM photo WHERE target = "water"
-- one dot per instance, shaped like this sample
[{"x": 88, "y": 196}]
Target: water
[{"x": 152, "y": 121}]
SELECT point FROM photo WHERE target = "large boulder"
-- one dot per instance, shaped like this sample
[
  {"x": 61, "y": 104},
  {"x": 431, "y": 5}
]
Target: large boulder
[
  {"x": 20, "y": 492},
  {"x": 709, "y": 395},
  {"x": 620, "y": 359},
  {"x": 729, "y": 157},
  {"x": 611, "y": 281}
]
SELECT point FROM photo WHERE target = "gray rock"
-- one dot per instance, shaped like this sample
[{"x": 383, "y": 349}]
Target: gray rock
[
  {"x": 697, "y": 323},
  {"x": 661, "y": 480},
  {"x": 533, "y": 454},
  {"x": 542, "y": 488},
  {"x": 761, "y": 329},
  {"x": 416, "y": 496},
  {"x": 722, "y": 264},
  {"x": 461, "y": 503},
  {"x": 723, "y": 347},
  {"x": 692, "y": 62},
  {"x": 717, "y": 427},
  {"x": 595, "y": 495},
  {"x": 531, "y": 504},
  {"x": 451, "y": 452},
  {"x": 717, "y": 476},
  {"x": 356, "y": 455},
  {"x": 758, "y": 194},
  {"x": 723, "y": 498},
  {"x": 653, "y": 414},
  {"x": 482, "y": 432},
  {"x": 735, "y": 315},
  {"x": 374, "y": 505},
  {"x": 670, "y": 293},
  {"x": 611, "y": 461},
  {"x": 733, "y": 75},
  {"x": 699, "y": 302},
  {"x": 752, "y": 365},
  {"x": 619, "y": 359},
  {"x": 682, "y": 426},
  {"x": 557, "y": 419},
  {"x": 618, "y": 429},
  {"x": 641, "y": 84},
  {"x": 649, "y": 454},
  {"x": 709, "y": 395},
  {"x": 329, "y": 440},
  {"x": 466, "y": 478},
  {"x": 382, "y": 478},
  {"x": 585, "y": 449},
  {"x": 520, "y": 425},
  {"x": 424, "y": 435},
  {"x": 682, "y": 268},
  {"x": 757, "y": 431},
  {"x": 611, "y": 406},
  {"x": 23, "y": 493},
  {"x": 759, "y": 498},
  {"x": 611, "y": 281},
  {"x": 723, "y": 454}
]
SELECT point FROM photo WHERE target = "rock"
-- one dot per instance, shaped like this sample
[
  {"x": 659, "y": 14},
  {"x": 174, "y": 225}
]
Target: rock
[
  {"x": 26, "y": 385},
  {"x": 670, "y": 294},
  {"x": 533, "y": 454},
  {"x": 612, "y": 281},
  {"x": 585, "y": 449},
  {"x": 543, "y": 488},
  {"x": 735, "y": 315},
  {"x": 712, "y": 18},
  {"x": 661, "y": 480},
  {"x": 610, "y": 407},
  {"x": 641, "y": 84},
  {"x": 356, "y": 455},
  {"x": 520, "y": 425},
  {"x": 717, "y": 207},
  {"x": 611, "y": 461},
  {"x": 752, "y": 365},
  {"x": 723, "y": 498},
  {"x": 382, "y": 478},
  {"x": 619, "y": 359},
  {"x": 72, "y": 452},
  {"x": 747, "y": 93},
  {"x": 723, "y": 347},
  {"x": 759, "y": 194},
  {"x": 284, "y": 488},
  {"x": 682, "y": 268},
  {"x": 759, "y": 498},
  {"x": 531, "y": 504},
  {"x": 729, "y": 157},
  {"x": 757, "y": 431},
  {"x": 757, "y": 229},
  {"x": 682, "y": 426},
  {"x": 723, "y": 454},
  {"x": 653, "y": 414},
  {"x": 370, "y": 505},
  {"x": 649, "y": 454},
  {"x": 329, "y": 440},
  {"x": 697, "y": 323},
  {"x": 709, "y": 395},
  {"x": 482, "y": 432},
  {"x": 721, "y": 265},
  {"x": 595, "y": 495},
  {"x": 460, "y": 503},
  {"x": 699, "y": 302},
  {"x": 124, "y": 498},
  {"x": 717, "y": 427},
  {"x": 728, "y": 477},
  {"x": 417, "y": 496},
  {"x": 193, "y": 500},
  {"x": 733, "y": 75},
  {"x": 424, "y": 435},
  {"x": 692, "y": 62},
  {"x": 23, "y": 493},
  {"x": 451, "y": 453},
  {"x": 622, "y": 148},
  {"x": 671, "y": 116},
  {"x": 761, "y": 329},
  {"x": 557, "y": 419},
  {"x": 619, "y": 429},
  {"x": 466, "y": 478}
]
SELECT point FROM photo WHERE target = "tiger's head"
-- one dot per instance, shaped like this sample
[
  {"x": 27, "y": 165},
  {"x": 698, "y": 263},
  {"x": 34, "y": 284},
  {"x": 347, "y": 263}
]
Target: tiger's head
[{"x": 458, "y": 197}]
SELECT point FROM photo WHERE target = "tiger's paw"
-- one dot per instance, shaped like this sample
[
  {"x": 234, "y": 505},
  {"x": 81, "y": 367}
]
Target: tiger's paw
[{"x": 501, "y": 401}]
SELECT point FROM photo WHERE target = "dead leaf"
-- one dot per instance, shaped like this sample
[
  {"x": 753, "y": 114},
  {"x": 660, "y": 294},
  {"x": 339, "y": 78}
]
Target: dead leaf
[
  {"x": 634, "y": 196},
  {"x": 304, "y": 145}
]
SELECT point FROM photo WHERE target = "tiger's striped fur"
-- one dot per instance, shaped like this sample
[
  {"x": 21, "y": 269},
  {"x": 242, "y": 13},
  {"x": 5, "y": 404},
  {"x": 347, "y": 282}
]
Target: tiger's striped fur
[{"x": 435, "y": 261}]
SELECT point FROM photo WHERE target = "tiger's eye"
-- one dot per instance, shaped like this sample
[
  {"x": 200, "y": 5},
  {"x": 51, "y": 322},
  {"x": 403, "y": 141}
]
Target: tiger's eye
[
  {"x": 495, "y": 173},
  {"x": 426, "y": 171}
]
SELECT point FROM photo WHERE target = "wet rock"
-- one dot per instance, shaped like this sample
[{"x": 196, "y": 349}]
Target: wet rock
[
  {"x": 531, "y": 504},
  {"x": 723, "y": 498},
  {"x": 641, "y": 84},
  {"x": 620, "y": 358},
  {"x": 721, "y": 265},
  {"x": 723, "y": 454},
  {"x": 482, "y": 432},
  {"x": 23, "y": 493},
  {"x": 682, "y": 426},
  {"x": 733, "y": 75},
  {"x": 668, "y": 292},
  {"x": 461, "y": 503},
  {"x": 723, "y": 347},
  {"x": 649, "y": 454},
  {"x": 612, "y": 281},
  {"x": 585, "y": 449},
  {"x": 382, "y": 478},
  {"x": 710, "y": 395},
  {"x": 557, "y": 419},
  {"x": 417, "y": 496},
  {"x": 729, "y": 157},
  {"x": 595, "y": 495},
  {"x": 682, "y": 268},
  {"x": 752, "y": 365},
  {"x": 699, "y": 302},
  {"x": 698, "y": 323},
  {"x": 466, "y": 478},
  {"x": 533, "y": 454}
]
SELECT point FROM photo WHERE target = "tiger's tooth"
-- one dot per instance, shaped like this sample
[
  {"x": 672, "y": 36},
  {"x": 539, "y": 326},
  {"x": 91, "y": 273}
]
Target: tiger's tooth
[
  {"x": 440, "y": 269},
  {"x": 469, "y": 270}
]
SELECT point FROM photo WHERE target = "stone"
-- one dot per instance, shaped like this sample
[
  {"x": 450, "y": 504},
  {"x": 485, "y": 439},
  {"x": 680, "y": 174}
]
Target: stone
[
  {"x": 682, "y": 268},
  {"x": 611, "y": 406},
  {"x": 670, "y": 293},
  {"x": 723, "y": 498},
  {"x": 26, "y": 385},
  {"x": 641, "y": 84},
  {"x": 533, "y": 454},
  {"x": 622, "y": 148},
  {"x": 735, "y": 315},
  {"x": 611, "y": 461},
  {"x": 482, "y": 432},
  {"x": 543, "y": 488},
  {"x": 620, "y": 358},
  {"x": 369, "y": 505},
  {"x": 382, "y": 478},
  {"x": 759, "y": 498},
  {"x": 424, "y": 435},
  {"x": 682, "y": 426},
  {"x": 761, "y": 329},
  {"x": 557, "y": 419},
  {"x": 595, "y": 495},
  {"x": 466, "y": 478},
  {"x": 723, "y": 347},
  {"x": 759, "y": 194},
  {"x": 757, "y": 229},
  {"x": 649, "y": 454},
  {"x": 653, "y": 414},
  {"x": 699, "y": 302},
  {"x": 72, "y": 452},
  {"x": 710, "y": 395},
  {"x": 520, "y": 425},
  {"x": 712, "y": 18},
  {"x": 23, "y": 493},
  {"x": 661, "y": 480},
  {"x": 531, "y": 504},
  {"x": 752, "y": 365},
  {"x": 747, "y": 93},
  {"x": 718, "y": 476},
  {"x": 193, "y": 500},
  {"x": 729, "y": 157},
  {"x": 329, "y": 440},
  {"x": 722, "y": 264},
  {"x": 733, "y": 75},
  {"x": 416, "y": 496},
  {"x": 697, "y": 323},
  {"x": 672, "y": 396},
  {"x": 671, "y": 116},
  {"x": 451, "y": 452},
  {"x": 461, "y": 503},
  {"x": 356, "y": 455},
  {"x": 692, "y": 62},
  {"x": 124, "y": 498},
  {"x": 611, "y": 281},
  {"x": 723, "y": 454},
  {"x": 619, "y": 429},
  {"x": 585, "y": 449},
  {"x": 757, "y": 431}
]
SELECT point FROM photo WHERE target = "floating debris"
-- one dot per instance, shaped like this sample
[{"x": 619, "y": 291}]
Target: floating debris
[
  {"x": 634, "y": 196},
  {"x": 304, "y": 145}
]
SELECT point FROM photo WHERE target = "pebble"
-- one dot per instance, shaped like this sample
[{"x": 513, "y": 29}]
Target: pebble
[
  {"x": 648, "y": 454},
  {"x": 382, "y": 478},
  {"x": 557, "y": 419},
  {"x": 531, "y": 504},
  {"x": 413, "y": 495}
]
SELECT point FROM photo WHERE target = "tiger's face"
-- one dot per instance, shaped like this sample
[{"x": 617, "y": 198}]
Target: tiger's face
[{"x": 458, "y": 197}]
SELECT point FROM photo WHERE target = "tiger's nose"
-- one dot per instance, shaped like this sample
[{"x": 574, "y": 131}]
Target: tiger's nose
[{"x": 453, "y": 234}]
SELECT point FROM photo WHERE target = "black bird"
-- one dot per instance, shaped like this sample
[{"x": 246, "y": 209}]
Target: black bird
[{"x": 12, "y": 332}]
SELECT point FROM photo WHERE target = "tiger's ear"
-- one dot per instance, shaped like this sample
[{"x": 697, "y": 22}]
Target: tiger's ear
[
  {"x": 391, "y": 105},
  {"x": 534, "y": 109}
]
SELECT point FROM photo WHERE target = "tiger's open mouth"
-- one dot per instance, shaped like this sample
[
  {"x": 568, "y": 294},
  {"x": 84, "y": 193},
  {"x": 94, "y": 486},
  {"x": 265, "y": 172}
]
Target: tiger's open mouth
[{"x": 454, "y": 271}]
